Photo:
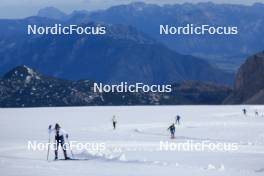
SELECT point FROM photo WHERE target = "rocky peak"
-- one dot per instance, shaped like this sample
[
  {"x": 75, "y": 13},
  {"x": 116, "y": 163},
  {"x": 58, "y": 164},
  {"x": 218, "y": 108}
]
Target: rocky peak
[
  {"x": 23, "y": 73},
  {"x": 138, "y": 5},
  {"x": 249, "y": 83},
  {"x": 51, "y": 12},
  {"x": 250, "y": 76}
]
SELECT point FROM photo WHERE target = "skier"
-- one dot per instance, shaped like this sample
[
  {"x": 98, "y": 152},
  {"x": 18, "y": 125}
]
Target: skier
[
  {"x": 256, "y": 113},
  {"x": 178, "y": 118},
  {"x": 114, "y": 121},
  {"x": 59, "y": 134},
  {"x": 244, "y": 111},
  {"x": 172, "y": 130}
]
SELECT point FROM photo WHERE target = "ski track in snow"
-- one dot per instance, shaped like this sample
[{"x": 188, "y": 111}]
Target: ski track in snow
[{"x": 143, "y": 125}]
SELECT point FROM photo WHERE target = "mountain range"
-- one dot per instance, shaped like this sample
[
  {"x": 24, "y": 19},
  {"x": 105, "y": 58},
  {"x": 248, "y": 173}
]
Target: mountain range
[
  {"x": 227, "y": 52},
  {"x": 123, "y": 54},
  {"x": 133, "y": 51},
  {"x": 26, "y": 87}
]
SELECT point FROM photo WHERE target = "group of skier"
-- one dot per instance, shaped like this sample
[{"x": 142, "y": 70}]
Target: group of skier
[
  {"x": 60, "y": 135},
  {"x": 172, "y": 127},
  {"x": 244, "y": 110}
]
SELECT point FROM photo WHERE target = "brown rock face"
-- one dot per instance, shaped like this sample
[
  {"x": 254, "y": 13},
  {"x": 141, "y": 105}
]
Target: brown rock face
[{"x": 249, "y": 83}]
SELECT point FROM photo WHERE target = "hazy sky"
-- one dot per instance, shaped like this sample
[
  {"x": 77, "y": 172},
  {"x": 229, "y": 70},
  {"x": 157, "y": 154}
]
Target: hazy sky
[{"x": 24, "y": 8}]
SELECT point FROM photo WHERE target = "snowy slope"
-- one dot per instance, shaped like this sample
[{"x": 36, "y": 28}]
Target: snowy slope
[{"x": 140, "y": 128}]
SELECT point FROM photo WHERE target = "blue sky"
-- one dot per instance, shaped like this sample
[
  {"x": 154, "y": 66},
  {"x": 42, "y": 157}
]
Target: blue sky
[{"x": 24, "y": 8}]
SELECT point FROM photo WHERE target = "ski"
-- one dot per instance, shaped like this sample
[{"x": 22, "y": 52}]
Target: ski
[
  {"x": 49, "y": 144},
  {"x": 72, "y": 159},
  {"x": 70, "y": 147}
]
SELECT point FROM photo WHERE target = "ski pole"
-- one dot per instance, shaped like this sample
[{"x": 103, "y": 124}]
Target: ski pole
[
  {"x": 49, "y": 143},
  {"x": 70, "y": 146}
]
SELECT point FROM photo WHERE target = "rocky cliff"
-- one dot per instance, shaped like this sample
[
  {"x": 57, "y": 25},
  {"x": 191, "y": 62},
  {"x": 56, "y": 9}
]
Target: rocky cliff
[{"x": 249, "y": 82}]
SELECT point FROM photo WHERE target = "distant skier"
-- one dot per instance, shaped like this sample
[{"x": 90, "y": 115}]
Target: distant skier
[
  {"x": 172, "y": 130},
  {"x": 59, "y": 134},
  {"x": 244, "y": 111},
  {"x": 178, "y": 118},
  {"x": 114, "y": 121},
  {"x": 256, "y": 113}
]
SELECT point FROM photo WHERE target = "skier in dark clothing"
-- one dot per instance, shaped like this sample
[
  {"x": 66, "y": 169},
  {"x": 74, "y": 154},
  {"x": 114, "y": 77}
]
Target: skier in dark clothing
[
  {"x": 172, "y": 130},
  {"x": 114, "y": 122},
  {"x": 244, "y": 111},
  {"x": 59, "y": 134},
  {"x": 178, "y": 118}
]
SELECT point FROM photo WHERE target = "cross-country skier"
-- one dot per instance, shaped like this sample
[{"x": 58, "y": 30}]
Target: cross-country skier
[
  {"x": 114, "y": 121},
  {"x": 178, "y": 118},
  {"x": 244, "y": 111},
  {"x": 172, "y": 130},
  {"x": 59, "y": 134}
]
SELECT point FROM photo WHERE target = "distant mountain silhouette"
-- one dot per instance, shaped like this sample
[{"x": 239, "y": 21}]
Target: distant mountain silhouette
[
  {"x": 123, "y": 54},
  {"x": 52, "y": 12},
  {"x": 227, "y": 52},
  {"x": 26, "y": 87}
]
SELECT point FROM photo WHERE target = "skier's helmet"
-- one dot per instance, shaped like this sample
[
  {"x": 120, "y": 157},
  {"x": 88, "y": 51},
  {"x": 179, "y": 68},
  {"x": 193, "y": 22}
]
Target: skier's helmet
[{"x": 57, "y": 126}]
